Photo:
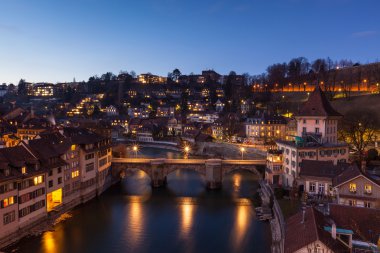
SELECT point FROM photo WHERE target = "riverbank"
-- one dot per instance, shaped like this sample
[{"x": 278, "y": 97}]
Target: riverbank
[{"x": 277, "y": 224}]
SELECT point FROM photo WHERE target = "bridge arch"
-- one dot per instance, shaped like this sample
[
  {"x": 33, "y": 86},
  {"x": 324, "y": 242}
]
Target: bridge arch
[
  {"x": 199, "y": 169},
  {"x": 128, "y": 168},
  {"x": 230, "y": 169}
]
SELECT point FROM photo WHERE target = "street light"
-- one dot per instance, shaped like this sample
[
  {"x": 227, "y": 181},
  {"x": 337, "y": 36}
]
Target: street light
[
  {"x": 186, "y": 149},
  {"x": 242, "y": 150},
  {"x": 135, "y": 149}
]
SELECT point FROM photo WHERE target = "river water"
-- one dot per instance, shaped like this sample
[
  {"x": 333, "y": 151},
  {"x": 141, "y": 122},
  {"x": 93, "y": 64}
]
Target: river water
[{"x": 181, "y": 217}]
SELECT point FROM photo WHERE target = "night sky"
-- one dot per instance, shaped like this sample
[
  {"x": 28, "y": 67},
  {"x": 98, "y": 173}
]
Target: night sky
[{"x": 58, "y": 40}]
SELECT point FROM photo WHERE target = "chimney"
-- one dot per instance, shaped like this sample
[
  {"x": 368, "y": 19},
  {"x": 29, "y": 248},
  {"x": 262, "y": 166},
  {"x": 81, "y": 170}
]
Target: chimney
[
  {"x": 333, "y": 231},
  {"x": 303, "y": 214}
]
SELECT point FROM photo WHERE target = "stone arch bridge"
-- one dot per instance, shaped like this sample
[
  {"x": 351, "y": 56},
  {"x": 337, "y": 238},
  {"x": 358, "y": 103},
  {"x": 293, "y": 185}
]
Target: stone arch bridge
[{"x": 158, "y": 169}]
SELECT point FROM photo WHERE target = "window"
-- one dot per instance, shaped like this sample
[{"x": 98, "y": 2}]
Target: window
[
  {"x": 59, "y": 170},
  {"x": 352, "y": 202},
  {"x": 73, "y": 147},
  {"x": 304, "y": 121},
  {"x": 321, "y": 188},
  {"x": 89, "y": 156},
  {"x": 317, "y": 130},
  {"x": 9, "y": 217},
  {"x": 51, "y": 183},
  {"x": 367, "y": 204},
  {"x": 317, "y": 121},
  {"x": 304, "y": 130},
  {"x": 102, "y": 162},
  {"x": 50, "y": 173},
  {"x": 312, "y": 187},
  {"x": 60, "y": 180},
  {"x": 8, "y": 202},
  {"x": 38, "y": 180},
  {"x": 353, "y": 187},
  {"x": 368, "y": 189},
  {"x": 23, "y": 170},
  {"x": 89, "y": 167},
  {"x": 75, "y": 174}
]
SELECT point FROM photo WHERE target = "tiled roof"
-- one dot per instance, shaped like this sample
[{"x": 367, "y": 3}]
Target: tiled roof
[
  {"x": 317, "y": 105},
  {"x": 326, "y": 169},
  {"x": 348, "y": 174},
  {"x": 298, "y": 235},
  {"x": 365, "y": 222}
]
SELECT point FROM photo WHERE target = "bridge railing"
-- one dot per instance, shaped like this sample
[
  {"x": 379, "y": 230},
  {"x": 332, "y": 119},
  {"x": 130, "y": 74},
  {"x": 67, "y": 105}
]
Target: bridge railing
[{"x": 187, "y": 161}]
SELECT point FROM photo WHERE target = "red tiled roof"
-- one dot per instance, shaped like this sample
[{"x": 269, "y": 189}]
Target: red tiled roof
[
  {"x": 299, "y": 235},
  {"x": 365, "y": 222},
  {"x": 350, "y": 173},
  {"x": 318, "y": 105}
]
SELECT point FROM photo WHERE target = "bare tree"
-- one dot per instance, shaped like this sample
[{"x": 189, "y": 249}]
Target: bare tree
[{"x": 358, "y": 129}]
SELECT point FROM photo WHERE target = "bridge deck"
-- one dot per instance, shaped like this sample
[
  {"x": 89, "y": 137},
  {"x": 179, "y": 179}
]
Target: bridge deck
[{"x": 187, "y": 161}]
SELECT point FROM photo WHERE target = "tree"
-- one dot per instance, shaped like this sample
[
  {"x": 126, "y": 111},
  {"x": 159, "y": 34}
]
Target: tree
[
  {"x": 175, "y": 75},
  {"x": 108, "y": 77},
  {"x": 133, "y": 74},
  {"x": 21, "y": 88},
  {"x": 277, "y": 74},
  {"x": 358, "y": 129}
]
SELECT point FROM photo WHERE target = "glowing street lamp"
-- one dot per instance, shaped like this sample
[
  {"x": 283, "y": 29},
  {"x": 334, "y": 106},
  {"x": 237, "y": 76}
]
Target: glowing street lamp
[
  {"x": 186, "y": 150},
  {"x": 242, "y": 150},
  {"x": 135, "y": 148}
]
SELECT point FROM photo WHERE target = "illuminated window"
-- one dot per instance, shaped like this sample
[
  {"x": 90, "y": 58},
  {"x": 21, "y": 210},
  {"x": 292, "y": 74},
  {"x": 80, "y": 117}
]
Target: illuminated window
[
  {"x": 368, "y": 188},
  {"x": 8, "y": 201},
  {"x": 23, "y": 170},
  {"x": 5, "y": 203},
  {"x": 38, "y": 180},
  {"x": 73, "y": 147},
  {"x": 11, "y": 200},
  {"x": 353, "y": 188},
  {"x": 74, "y": 174}
]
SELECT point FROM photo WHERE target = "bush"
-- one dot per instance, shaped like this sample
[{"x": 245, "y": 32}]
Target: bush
[{"x": 372, "y": 154}]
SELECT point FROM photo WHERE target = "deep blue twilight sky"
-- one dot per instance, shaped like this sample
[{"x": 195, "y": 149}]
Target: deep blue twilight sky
[{"x": 48, "y": 40}]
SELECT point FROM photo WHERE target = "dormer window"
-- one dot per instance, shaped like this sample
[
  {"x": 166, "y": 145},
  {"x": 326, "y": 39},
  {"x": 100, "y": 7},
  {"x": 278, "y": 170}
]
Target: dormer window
[{"x": 23, "y": 169}]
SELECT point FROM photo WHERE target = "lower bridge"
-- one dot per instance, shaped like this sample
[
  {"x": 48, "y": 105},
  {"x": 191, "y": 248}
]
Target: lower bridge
[{"x": 158, "y": 169}]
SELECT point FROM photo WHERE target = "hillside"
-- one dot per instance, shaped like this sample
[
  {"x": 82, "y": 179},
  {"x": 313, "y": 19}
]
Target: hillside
[{"x": 368, "y": 102}]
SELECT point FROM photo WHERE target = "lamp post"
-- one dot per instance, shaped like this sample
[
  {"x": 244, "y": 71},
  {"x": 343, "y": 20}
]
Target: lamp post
[{"x": 242, "y": 150}]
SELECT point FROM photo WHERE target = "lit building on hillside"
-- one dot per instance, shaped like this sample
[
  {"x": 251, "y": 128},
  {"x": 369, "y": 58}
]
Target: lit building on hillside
[{"x": 316, "y": 137}]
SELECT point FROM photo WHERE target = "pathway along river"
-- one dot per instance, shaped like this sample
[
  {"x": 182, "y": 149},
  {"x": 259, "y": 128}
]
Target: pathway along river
[{"x": 182, "y": 217}]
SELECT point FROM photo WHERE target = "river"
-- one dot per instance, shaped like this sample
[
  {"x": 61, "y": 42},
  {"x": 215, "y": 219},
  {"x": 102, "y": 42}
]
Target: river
[{"x": 181, "y": 217}]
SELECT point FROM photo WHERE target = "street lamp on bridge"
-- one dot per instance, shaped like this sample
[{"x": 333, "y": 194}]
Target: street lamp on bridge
[
  {"x": 186, "y": 150},
  {"x": 242, "y": 150},
  {"x": 135, "y": 149}
]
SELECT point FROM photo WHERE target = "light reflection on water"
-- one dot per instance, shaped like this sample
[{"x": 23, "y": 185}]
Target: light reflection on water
[
  {"x": 134, "y": 223},
  {"x": 181, "y": 217},
  {"x": 49, "y": 242}
]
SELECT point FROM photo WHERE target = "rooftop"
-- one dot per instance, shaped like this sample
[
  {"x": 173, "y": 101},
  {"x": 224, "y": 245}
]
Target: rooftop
[{"x": 318, "y": 105}]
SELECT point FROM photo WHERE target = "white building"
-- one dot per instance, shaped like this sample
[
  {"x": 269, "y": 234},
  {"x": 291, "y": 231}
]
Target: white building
[{"x": 316, "y": 137}]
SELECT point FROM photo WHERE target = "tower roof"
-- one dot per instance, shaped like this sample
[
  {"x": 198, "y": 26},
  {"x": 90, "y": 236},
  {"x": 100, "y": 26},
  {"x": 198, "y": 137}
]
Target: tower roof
[{"x": 318, "y": 105}]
